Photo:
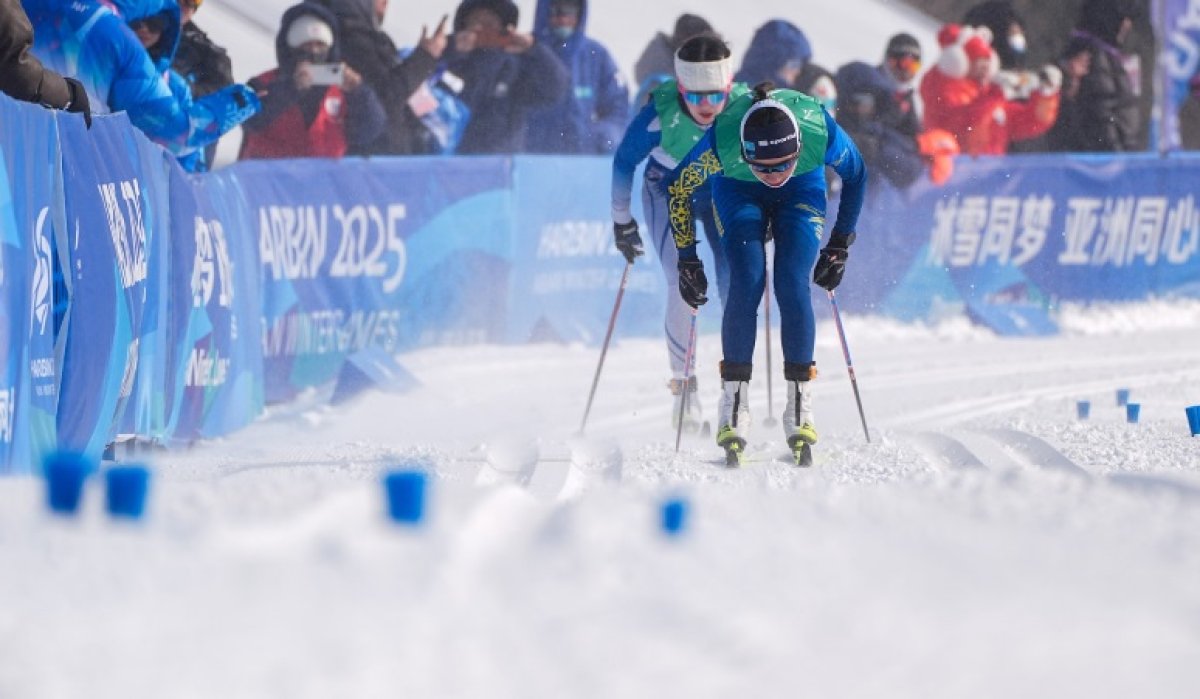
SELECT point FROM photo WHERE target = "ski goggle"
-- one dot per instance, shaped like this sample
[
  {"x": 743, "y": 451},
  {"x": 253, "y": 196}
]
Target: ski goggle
[
  {"x": 910, "y": 62},
  {"x": 697, "y": 99},
  {"x": 773, "y": 169}
]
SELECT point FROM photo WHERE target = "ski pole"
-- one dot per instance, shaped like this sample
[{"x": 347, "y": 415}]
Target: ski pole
[
  {"x": 612, "y": 322},
  {"x": 687, "y": 379},
  {"x": 837, "y": 320},
  {"x": 770, "y": 421}
]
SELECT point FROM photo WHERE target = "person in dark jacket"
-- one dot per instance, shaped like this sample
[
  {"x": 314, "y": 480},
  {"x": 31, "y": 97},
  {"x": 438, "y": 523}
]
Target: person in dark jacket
[
  {"x": 205, "y": 65},
  {"x": 505, "y": 75},
  {"x": 23, "y": 77},
  {"x": 303, "y": 115},
  {"x": 778, "y": 53},
  {"x": 868, "y": 113},
  {"x": 901, "y": 68},
  {"x": 592, "y": 116},
  {"x": 372, "y": 54},
  {"x": 657, "y": 61},
  {"x": 1105, "y": 112}
]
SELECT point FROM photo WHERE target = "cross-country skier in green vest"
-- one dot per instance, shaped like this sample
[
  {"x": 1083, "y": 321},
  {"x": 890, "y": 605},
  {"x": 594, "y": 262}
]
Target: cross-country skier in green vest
[
  {"x": 765, "y": 156},
  {"x": 677, "y": 115}
]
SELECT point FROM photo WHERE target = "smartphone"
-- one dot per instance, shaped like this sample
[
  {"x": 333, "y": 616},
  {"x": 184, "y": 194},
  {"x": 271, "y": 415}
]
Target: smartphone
[{"x": 326, "y": 73}]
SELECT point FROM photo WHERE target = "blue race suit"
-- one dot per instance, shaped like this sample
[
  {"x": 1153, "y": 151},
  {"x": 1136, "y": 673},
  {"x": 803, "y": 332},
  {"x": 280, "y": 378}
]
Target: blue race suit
[{"x": 744, "y": 208}]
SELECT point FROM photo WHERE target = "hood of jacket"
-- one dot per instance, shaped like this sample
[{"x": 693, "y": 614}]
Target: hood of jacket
[
  {"x": 541, "y": 24},
  {"x": 774, "y": 44},
  {"x": 1102, "y": 18},
  {"x": 362, "y": 10},
  {"x": 284, "y": 53},
  {"x": 133, "y": 10},
  {"x": 506, "y": 10},
  {"x": 858, "y": 78}
]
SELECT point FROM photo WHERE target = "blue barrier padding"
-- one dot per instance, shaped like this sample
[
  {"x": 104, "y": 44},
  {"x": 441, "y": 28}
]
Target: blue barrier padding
[{"x": 140, "y": 300}]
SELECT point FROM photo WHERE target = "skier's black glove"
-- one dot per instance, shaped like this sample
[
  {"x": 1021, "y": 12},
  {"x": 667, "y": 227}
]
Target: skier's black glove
[
  {"x": 628, "y": 241},
  {"x": 693, "y": 285},
  {"x": 831, "y": 265},
  {"x": 79, "y": 103}
]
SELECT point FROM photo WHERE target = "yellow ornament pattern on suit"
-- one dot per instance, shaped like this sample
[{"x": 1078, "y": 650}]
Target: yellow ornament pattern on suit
[{"x": 681, "y": 191}]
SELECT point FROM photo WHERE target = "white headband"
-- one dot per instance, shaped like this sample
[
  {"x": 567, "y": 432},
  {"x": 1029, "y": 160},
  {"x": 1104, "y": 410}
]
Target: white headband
[{"x": 711, "y": 76}]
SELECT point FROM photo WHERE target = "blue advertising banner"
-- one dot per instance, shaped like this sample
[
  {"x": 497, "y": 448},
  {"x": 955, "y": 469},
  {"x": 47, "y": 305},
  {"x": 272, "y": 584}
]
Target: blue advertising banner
[
  {"x": 1030, "y": 231},
  {"x": 15, "y": 300},
  {"x": 144, "y": 414},
  {"x": 107, "y": 258},
  {"x": 391, "y": 253},
  {"x": 213, "y": 372},
  {"x": 28, "y": 384},
  {"x": 566, "y": 269},
  {"x": 1179, "y": 22}
]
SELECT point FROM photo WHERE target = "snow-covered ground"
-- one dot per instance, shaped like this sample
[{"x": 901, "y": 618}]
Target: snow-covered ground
[{"x": 986, "y": 543}]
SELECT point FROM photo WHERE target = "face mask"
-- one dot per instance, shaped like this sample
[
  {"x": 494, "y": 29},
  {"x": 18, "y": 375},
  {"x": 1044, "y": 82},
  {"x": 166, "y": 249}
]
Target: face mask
[
  {"x": 1016, "y": 42},
  {"x": 562, "y": 33}
]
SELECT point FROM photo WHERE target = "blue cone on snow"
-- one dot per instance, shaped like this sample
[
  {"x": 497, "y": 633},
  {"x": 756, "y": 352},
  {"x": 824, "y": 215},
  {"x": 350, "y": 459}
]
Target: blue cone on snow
[
  {"x": 405, "y": 491},
  {"x": 125, "y": 491},
  {"x": 674, "y": 516},
  {"x": 65, "y": 474}
]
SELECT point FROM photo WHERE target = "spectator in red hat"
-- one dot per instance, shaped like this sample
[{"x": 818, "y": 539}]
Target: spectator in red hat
[{"x": 960, "y": 95}]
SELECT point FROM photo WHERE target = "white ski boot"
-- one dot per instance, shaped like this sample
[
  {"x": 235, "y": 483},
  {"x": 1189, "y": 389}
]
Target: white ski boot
[
  {"x": 733, "y": 413},
  {"x": 798, "y": 427}
]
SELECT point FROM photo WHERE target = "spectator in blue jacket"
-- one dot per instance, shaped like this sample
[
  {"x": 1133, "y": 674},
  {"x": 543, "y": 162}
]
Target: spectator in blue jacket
[
  {"x": 778, "y": 53},
  {"x": 505, "y": 75},
  {"x": 592, "y": 116},
  {"x": 22, "y": 75},
  {"x": 91, "y": 40}
]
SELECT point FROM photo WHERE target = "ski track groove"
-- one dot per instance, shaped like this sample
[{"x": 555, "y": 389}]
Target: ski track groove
[{"x": 960, "y": 411}]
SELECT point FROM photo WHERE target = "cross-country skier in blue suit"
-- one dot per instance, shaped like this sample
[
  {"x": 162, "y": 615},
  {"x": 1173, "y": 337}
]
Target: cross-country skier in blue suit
[
  {"x": 675, "y": 118},
  {"x": 92, "y": 41},
  {"x": 766, "y": 156}
]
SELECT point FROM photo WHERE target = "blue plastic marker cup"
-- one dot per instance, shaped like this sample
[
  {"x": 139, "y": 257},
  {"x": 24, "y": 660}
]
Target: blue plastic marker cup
[
  {"x": 406, "y": 496},
  {"x": 1122, "y": 396},
  {"x": 65, "y": 474},
  {"x": 125, "y": 491},
  {"x": 1132, "y": 411},
  {"x": 674, "y": 516},
  {"x": 1193, "y": 416},
  {"x": 1083, "y": 408}
]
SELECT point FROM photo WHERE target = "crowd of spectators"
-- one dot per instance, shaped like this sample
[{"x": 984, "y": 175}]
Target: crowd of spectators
[{"x": 476, "y": 84}]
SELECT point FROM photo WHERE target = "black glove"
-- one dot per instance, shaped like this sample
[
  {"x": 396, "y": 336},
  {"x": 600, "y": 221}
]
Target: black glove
[
  {"x": 831, "y": 265},
  {"x": 628, "y": 241},
  {"x": 693, "y": 285},
  {"x": 79, "y": 103}
]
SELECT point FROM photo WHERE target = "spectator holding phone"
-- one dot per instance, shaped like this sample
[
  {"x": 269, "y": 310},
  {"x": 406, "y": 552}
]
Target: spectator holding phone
[
  {"x": 396, "y": 78},
  {"x": 505, "y": 75},
  {"x": 314, "y": 105}
]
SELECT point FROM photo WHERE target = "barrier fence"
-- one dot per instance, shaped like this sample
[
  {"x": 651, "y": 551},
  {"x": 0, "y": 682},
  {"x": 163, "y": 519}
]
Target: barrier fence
[{"x": 140, "y": 300}]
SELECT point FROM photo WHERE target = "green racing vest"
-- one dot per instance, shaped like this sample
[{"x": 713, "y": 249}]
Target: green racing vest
[
  {"x": 810, "y": 116},
  {"x": 679, "y": 131}
]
